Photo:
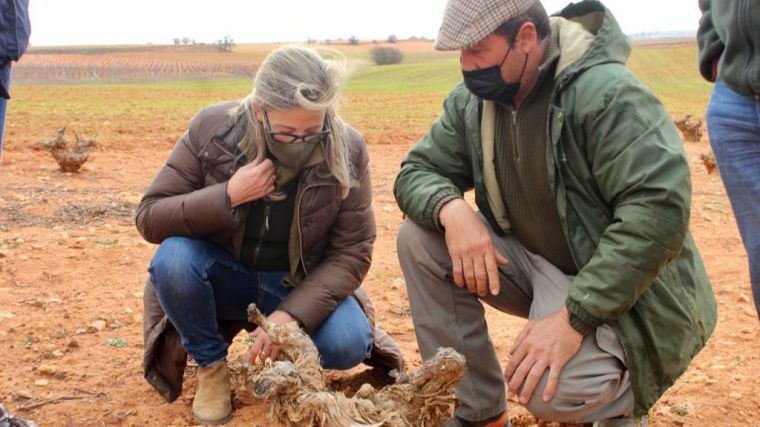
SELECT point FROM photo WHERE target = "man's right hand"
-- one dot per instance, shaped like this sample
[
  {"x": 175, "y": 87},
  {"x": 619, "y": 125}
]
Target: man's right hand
[
  {"x": 474, "y": 260},
  {"x": 251, "y": 182}
]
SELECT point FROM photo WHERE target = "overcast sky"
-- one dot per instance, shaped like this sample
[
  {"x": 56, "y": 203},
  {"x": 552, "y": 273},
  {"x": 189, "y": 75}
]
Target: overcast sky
[{"x": 87, "y": 22}]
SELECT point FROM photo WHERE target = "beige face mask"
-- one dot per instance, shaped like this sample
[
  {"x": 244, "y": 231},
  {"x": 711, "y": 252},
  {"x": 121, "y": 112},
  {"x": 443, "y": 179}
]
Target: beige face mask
[{"x": 293, "y": 154}]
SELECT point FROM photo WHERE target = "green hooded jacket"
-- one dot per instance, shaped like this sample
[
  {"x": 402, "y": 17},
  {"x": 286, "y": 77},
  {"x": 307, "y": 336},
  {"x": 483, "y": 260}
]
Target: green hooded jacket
[{"x": 621, "y": 180}]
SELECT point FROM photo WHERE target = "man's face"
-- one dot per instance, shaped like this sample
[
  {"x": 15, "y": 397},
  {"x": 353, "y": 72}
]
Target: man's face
[
  {"x": 488, "y": 52},
  {"x": 491, "y": 51}
]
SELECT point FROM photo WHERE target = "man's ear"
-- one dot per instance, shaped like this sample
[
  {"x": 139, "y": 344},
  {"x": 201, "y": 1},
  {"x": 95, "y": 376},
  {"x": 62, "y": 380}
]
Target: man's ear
[{"x": 527, "y": 37}]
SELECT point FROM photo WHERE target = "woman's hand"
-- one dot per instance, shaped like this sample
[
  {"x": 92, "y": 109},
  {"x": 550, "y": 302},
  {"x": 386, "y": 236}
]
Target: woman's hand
[
  {"x": 251, "y": 182},
  {"x": 262, "y": 347}
]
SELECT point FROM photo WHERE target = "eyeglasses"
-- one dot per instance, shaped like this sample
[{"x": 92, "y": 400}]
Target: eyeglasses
[{"x": 289, "y": 138}]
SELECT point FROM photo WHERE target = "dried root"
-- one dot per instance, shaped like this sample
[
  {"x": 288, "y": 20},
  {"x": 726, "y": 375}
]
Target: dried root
[
  {"x": 296, "y": 387},
  {"x": 69, "y": 159}
]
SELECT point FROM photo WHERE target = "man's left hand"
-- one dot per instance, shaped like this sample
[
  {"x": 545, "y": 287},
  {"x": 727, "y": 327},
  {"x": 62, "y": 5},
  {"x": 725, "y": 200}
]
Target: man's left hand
[{"x": 545, "y": 343}]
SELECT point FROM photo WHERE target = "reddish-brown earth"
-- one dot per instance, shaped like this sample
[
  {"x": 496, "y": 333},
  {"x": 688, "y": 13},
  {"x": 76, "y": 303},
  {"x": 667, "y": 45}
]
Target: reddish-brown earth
[{"x": 72, "y": 267}]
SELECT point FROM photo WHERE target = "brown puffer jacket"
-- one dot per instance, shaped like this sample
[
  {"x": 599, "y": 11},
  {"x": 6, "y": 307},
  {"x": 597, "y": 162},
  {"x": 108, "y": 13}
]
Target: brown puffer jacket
[{"x": 330, "y": 247}]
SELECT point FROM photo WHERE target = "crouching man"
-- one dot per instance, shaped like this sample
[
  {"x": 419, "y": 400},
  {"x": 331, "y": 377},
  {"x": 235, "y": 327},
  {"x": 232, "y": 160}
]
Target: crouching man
[{"x": 584, "y": 196}]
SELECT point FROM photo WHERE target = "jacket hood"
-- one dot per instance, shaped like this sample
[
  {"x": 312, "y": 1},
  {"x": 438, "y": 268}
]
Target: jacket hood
[{"x": 589, "y": 35}]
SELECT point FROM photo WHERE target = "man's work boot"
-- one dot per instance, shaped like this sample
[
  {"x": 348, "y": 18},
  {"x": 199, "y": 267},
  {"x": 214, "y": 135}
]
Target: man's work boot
[
  {"x": 501, "y": 420},
  {"x": 212, "y": 403}
]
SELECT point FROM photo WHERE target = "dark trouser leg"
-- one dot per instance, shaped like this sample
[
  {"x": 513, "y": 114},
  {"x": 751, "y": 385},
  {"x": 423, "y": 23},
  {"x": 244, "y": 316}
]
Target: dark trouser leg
[
  {"x": 593, "y": 385},
  {"x": 445, "y": 315}
]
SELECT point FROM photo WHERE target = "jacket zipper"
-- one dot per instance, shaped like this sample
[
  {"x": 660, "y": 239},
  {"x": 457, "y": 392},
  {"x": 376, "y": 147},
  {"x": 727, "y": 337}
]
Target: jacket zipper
[
  {"x": 298, "y": 219},
  {"x": 515, "y": 136},
  {"x": 264, "y": 231}
]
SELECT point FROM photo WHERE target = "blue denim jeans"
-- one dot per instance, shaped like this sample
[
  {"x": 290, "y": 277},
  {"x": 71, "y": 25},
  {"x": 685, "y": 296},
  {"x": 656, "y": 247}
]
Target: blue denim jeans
[
  {"x": 733, "y": 122},
  {"x": 5, "y": 80},
  {"x": 3, "y": 106},
  {"x": 198, "y": 283}
]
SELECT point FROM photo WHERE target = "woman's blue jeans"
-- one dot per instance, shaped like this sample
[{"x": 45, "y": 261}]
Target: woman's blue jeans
[
  {"x": 733, "y": 122},
  {"x": 198, "y": 283}
]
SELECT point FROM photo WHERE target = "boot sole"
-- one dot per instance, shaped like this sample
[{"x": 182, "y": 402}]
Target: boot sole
[{"x": 213, "y": 422}]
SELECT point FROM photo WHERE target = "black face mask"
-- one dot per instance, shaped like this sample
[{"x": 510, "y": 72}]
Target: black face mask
[{"x": 487, "y": 83}]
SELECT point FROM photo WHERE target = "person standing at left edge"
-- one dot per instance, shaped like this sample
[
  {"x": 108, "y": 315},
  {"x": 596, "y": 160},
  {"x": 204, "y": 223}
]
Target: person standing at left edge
[
  {"x": 15, "y": 29},
  {"x": 14, "y": 39}
]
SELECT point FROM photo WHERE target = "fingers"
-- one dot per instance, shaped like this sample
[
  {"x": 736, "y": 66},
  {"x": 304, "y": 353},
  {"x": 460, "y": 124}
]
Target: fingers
[
  {"x": 264, "y": 169},
  {"x": 531, "y": 381},
  {"x": 474, "y": 261},
  {"x": 456, "y": 264},
  {"x": 542, "y": 344},
  {"x": 481, "y": 277},
  {"x": 519, "y": 375},
  {"x": 255, "y": 348},
  {"x": 469, "y": 275},
  {"x": 528, "y": 375},
  {"x": 251, "y": 182},
  {"x": 268, "y": 190},
  {"x": 480, "y": 273},
  {"x": 270, "y": 350},
  {"x": 261, "y": 348},
  {"x": 269, "y": 179},
  {"x": 514, "y": 362},
  {"x": 266, "y": 166},
  {"x": 551, "y": 383},
  {"x": 500, "y": 258},
  {"x": 492, "y": 270},
  {"x": 266, "y": 350},
  {"x": 520, "y": 337},
  {"x": 275, "y": 352}
]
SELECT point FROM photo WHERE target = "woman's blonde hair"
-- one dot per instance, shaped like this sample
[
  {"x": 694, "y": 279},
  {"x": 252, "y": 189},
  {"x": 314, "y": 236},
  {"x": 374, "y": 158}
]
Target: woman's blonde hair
[{"x": 297, "y": 77}]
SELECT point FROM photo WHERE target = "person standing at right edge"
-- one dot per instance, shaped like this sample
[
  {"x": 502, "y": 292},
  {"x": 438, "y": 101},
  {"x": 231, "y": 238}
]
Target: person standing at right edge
[
  {"x": 584, "y": 199},
  {"x": 729, "y": 55}
]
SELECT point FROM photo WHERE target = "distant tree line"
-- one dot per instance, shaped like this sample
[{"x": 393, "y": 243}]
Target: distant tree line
[
  {"x": 183, "y": 40},
  {"x": 353, "y": 40},
  {"x": 225, "y": 44},
  {"x": 380, "y": 55}
]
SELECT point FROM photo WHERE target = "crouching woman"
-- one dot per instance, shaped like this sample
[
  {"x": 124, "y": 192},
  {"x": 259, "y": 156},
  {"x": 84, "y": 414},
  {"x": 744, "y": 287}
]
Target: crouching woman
[{"x": 264, "y": 200}]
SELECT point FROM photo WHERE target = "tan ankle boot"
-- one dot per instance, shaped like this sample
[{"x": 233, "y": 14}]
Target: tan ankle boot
[{"x": 212, "y": 403}]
